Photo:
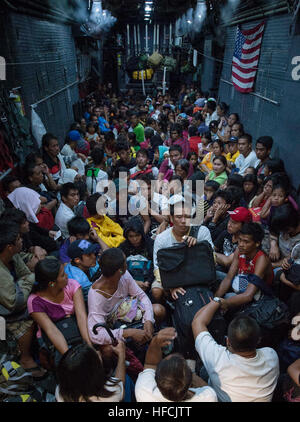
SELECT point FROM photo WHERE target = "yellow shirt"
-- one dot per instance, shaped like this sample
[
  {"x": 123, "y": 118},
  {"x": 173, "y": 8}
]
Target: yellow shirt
[
  {"x": 232, "y": 158},
  {"x": 110, "y": 232}
]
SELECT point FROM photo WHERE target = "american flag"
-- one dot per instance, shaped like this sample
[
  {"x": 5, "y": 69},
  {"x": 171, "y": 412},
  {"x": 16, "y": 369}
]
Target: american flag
[{"x": 246, "y": 56}]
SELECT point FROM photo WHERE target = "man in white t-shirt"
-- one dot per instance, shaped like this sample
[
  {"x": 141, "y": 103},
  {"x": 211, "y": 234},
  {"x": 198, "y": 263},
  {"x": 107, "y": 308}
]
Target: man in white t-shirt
[
  {"x": 65, "y": 212},
  {"x": 169, "y": 379},
  {"x": 247, "y": 157},
  {"x": 239, "y": 372},
  {"x": 180, "y": 217}
]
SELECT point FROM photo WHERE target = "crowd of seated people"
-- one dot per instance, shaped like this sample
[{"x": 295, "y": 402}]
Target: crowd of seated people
[{"x": 81, "y": 227}]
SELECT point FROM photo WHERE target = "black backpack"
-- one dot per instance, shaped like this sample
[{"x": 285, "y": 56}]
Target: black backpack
[
  {"x": 181, "y": 266},
  {"x": 185, "y": 308}
]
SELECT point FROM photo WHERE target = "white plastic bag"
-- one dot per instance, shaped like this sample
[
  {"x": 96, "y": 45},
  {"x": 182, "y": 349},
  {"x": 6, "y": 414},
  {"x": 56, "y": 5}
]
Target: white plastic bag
[{"x": 37, "y": 127}]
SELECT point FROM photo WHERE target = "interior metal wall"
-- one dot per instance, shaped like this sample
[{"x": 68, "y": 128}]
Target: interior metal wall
[
  {"x": 47, "y": 63},
  {"x": 278, "y": 113}
]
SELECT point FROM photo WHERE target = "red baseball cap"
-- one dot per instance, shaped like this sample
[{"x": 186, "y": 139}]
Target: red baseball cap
[{"x": 240, "y": 214}]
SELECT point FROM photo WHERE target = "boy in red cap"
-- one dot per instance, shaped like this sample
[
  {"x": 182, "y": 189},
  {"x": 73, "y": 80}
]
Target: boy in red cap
[{"x": 227, "y": 242}]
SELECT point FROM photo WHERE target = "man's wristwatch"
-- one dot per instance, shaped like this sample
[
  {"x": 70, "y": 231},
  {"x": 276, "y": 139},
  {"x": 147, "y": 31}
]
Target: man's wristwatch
[{"x": 217, "y": 299}]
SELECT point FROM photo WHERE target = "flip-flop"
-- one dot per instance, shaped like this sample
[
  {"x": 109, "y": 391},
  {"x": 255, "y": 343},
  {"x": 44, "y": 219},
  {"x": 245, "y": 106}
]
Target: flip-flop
[{"x": 37, "y": 372}]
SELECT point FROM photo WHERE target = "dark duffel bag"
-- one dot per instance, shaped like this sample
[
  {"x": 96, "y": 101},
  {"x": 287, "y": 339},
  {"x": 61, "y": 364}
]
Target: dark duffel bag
[
  {"x": 186, "y": 307},
  {"x": 69, "y": 328},
  {"x": 181, "y": 266}
]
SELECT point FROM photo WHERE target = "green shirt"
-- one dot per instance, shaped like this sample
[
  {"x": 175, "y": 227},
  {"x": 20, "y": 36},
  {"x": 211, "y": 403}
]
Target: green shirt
[
  {"x": 139, "y": 132},
  {"x": 219, "y": 179}
]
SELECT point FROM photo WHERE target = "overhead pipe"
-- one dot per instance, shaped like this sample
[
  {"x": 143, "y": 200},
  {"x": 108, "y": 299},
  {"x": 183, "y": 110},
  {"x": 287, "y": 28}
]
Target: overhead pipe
[
  {"x": 259, "y": 16},
  {"x": 261, "y": 11}
]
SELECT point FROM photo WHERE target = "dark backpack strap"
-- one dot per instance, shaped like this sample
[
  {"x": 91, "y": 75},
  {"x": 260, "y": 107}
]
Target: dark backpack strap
[
  {"x": 194, "y": 231},
  {"x": 260, "y": 283}
]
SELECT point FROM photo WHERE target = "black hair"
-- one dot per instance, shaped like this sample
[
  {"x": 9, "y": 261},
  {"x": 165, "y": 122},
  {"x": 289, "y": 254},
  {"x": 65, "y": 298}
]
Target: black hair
[
  {"x": 223, "y": 194},
  {"x": 31, "y": 158},
  {"x": 176, "y": 127},
  {"x": 237, "y": 117},
  {"x": 220, "y": 143},
  {"x": 9, "y": 233},
  {"x": 224, "y": 107},
  {"x": 175, "y": 148},
  {"x": 280, "y": 178},
  {"x": 237, "y": 194},
  {"x": 78, "y": 225},
  {"x": 122, "y": 146},
  {"x": 184, "y": 164},
  {"x": 221, "y": 158},
  {"x": 253, "y": 229},
  {"x": 47, "y": 138},
  {"x": 7, "y": 181},
  {"x": 246, "y": 136},
  {"x": 266, "y": 141},
  {"x": 46, "y": 271},
  {"x": 193, "y": 131},
  {"x": 143, "y": 151},
  {"x": 66, "y": 188},
  {"x": 244, "y": 333},
  {"x": 149, "y": 132},
  {"x": 212, "y": 184},
  {"x": 283, "y": 218},
  {"x": 97, "y": 156},
  {"x": 185, "y": 124},
  {"x": 275, "y": 165},
  {"x": 283, "y": 187},
  {"x": 241, "y": 128},
  {"x": 81, "y": 375},
  {"x": 198, "y": 116},
  {"x": 15, "y": 215},
  {"x": 206, "y": 135},
  {"x": 149, "y": 122},
  {"x": 132, "y": 137},
  {"x": 81, "y": 186},
  {"x": 191, "y": 154},
  {"x": 235, "y": 179},
  {"x": 91, "y": 203},
  {"x": 250, "y": 195},
  {"x": 28, "y": 169},
  {"x": 111, "y": 261},
  {"x": 109, "y": 136},
  {"x": 94, "y": 125},
  {"x": 173, "y": 377}
]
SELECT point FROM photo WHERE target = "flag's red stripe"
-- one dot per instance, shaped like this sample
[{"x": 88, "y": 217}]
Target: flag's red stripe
[
  {"x": 244, "y": 90},
  {"x": 252, "y": 31},
  {"x": 254, "y": 39},
  {"x": 251, "y": 50},
  {"x": 249, "y": 61},
  {"x": 242, "y": 69},
  {"x": 243, "y": 80}
]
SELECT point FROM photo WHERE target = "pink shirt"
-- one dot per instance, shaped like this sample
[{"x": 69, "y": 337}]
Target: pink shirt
[
  {"x": 100, "y": 307},
  {"x": 55, "y": 311}
]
